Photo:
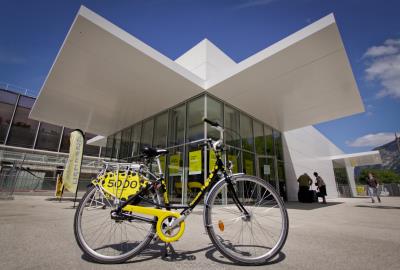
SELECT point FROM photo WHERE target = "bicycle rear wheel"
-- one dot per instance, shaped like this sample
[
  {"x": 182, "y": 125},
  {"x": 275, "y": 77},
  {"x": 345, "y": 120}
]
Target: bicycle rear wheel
[
  {"x": 249, "y": 240},
  {"x": 104, "y": 239}
]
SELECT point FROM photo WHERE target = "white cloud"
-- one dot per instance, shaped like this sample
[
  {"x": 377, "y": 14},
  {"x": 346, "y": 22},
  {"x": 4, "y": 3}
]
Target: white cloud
[
  {"x": 253, "y": 3},
  {"x": 383, "y": 66},
  {"x": 372, "y": 140},
  {"x": 380, "y": 51}
]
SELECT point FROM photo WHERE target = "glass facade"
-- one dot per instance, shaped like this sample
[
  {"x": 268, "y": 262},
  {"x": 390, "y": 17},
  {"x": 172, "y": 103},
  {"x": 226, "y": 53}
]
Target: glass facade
[
  {"x": 7, "y": 106},
  {"x": 48, "y": 137},
  {"x": 23, "y": 130},
  {"x": 16, "y": 129},
  {"x": 251, "y": 144}
]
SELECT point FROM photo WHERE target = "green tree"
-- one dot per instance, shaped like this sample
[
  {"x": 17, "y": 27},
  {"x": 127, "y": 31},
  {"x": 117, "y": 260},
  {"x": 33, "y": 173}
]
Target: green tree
[{"x": 383, "y": 176}]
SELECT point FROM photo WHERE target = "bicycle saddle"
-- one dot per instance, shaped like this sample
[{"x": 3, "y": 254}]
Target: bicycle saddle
[{"x": 153, "y": 152}]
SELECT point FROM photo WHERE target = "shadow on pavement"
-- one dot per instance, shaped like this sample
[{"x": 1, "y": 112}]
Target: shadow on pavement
[
  {"x": 309, "y": 206},
  {"x": 379, "y": 206},
  {"x": 214, "y": 255}
]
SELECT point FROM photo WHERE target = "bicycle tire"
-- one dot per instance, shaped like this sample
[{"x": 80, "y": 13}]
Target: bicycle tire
[
  {"x": 89, "y": 249},
  {"x": 219, "y": 222}
]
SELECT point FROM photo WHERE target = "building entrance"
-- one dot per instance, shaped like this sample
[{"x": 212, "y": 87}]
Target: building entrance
[{"x": 266, "y": 169}]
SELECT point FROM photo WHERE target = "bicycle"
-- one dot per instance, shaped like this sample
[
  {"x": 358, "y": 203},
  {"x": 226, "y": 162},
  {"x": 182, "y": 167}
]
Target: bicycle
[{"x": 244, "y": 216}]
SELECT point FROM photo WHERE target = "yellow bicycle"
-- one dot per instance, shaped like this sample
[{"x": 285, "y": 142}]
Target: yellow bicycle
[{"x": 128, "y": 206}]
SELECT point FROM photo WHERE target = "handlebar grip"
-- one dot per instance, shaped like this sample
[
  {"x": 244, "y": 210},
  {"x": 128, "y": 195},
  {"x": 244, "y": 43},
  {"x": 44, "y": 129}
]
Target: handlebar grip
[{"x": 214, "y": 124}]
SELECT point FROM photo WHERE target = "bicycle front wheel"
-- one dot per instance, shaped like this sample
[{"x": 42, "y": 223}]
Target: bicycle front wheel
[
  {"x": 251, "y": 239},
  {"x": 104, "y": 239}
]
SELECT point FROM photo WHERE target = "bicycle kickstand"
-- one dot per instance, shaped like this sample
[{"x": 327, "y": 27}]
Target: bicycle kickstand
[{"x": 169, "y": 251}]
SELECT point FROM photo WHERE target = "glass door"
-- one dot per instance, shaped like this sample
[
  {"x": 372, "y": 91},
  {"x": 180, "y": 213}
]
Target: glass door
[{"x": 266, "y": 169}]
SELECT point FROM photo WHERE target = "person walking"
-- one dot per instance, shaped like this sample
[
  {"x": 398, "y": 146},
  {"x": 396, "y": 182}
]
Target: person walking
[
  {"x": 373, "y": 187},
  {"x": 321, "y": 187}
]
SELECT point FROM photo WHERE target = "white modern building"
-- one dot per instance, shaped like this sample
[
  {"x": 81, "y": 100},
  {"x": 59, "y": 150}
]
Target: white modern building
[{"x": 107, "y": 82}]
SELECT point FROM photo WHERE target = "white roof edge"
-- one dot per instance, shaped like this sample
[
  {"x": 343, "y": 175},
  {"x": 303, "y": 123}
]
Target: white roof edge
[
  {"x": 98, "y": 141},
  {"x": 274, "y": 48},
  {"x": 138, "y": 44},
  {"x": 55, "y": 60},
  {"x": 360, "y": 154}
]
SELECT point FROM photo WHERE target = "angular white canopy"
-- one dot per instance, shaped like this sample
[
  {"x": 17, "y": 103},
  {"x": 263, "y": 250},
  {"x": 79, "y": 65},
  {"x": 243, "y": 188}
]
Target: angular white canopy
[
  {"x": 359, "y": 159},
  {"x": 104, "y": 79}
]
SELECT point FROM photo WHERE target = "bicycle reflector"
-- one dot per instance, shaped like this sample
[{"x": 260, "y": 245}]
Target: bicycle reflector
[{"x": 221, "y": 225}]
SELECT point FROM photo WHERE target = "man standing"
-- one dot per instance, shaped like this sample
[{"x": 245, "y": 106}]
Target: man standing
[
  {"x": 321, "y": 187},
  {"x": 305, "y": 182},
  {"x": 373, "y": 187}
]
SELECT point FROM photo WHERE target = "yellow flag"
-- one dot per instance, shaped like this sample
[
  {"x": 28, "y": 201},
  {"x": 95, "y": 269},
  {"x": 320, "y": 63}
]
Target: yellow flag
[{"x": 73, "y": 167}]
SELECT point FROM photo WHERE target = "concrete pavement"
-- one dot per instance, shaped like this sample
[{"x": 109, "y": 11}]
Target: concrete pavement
[{"x": 37, "y": 233}]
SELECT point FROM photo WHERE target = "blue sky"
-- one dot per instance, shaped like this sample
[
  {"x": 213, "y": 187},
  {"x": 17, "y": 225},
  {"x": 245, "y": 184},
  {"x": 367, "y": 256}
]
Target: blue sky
[{"x": 31, "y": 33}]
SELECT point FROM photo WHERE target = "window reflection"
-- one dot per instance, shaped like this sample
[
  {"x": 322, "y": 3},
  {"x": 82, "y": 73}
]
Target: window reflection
[
  {"x": 195, "y": 124},
  {"x": 160, "y": 131},
  {"x": 48, "y": 137},
  {"x": 231, "y": 123},
  {"x": 126, "y": 146},
  {"x": 147, "y": 133},
  {"x": 214, "y": 113},
  {"x": 177, "y": 118},
  {"x": 7, "y": 105},
  {"x": 23, "y": 129},
  {"x": 259, "y": 139},
  {"x": 135, "y": 139},
  {"x": 246, "y": 132}
]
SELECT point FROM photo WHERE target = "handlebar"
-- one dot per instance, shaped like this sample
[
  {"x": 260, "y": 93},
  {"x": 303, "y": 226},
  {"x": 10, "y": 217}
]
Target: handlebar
[
  {"x": 214, "y": 124},
  {"x": 216, "y": 145}
]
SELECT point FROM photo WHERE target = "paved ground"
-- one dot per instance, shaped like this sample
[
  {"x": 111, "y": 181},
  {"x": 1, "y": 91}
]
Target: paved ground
[{"x": 37, "y": 233}]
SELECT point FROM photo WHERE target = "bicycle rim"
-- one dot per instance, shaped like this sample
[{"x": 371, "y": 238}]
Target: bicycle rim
[
  {"x": 253, "y": 239},
  {"x": 106, "y": 240}
]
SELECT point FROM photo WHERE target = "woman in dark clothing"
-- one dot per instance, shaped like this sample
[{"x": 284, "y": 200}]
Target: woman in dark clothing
[{"x": 321, "y": 187}]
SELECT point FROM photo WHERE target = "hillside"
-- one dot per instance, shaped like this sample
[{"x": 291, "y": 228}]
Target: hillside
[{"x": 390, "y": 156}]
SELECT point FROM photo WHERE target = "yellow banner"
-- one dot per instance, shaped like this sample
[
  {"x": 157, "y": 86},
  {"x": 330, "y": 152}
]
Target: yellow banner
[
  {"x": 72, "y": 169},
  {"x": 195, "y": 162},
  {"x": 248, "y": 165},
  {"x": 212, "y": 160},
  {"x": 174, "y": 167},
  {"x": 162, "y": 162}
]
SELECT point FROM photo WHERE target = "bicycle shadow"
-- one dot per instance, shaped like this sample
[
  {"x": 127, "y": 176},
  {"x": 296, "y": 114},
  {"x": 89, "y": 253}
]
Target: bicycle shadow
[
  {"x": 157, "y": 251},
  {"x": 214, "y": 255}
]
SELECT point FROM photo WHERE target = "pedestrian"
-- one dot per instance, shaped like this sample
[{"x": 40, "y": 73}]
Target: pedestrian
[
  {"x": 373, "y": 187},
  {"x": 321, "y": 187},
  {"x": 305, "y": 182}
]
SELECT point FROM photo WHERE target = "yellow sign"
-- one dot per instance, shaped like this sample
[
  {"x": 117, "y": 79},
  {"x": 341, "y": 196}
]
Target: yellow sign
[
  {"x": 360, "y": 190},
  {"x": 162, "y": 162},
  {"x": 212, "y": 160},
  {"x": 174, "y": 167},
  {"x": 125, "y": 186},
  {"x": 195, "y": 162},
  {"x": 73, "y": 167},
  {"x": 248, "y": 165},
  {"x": 59, "y": 186},
  {"x": 235, "y": 164}
]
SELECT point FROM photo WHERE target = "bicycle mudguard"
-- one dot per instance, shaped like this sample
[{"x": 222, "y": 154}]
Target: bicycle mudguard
[{"x": 162, "y": 216}]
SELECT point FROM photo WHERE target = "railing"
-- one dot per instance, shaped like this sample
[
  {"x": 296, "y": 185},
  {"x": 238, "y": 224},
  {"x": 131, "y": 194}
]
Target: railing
[
  {"x": 391, "y": 189},
  {"x": 344, "y": 191},
  {"x": 17, "y": 89},
  {"x": 48, "y": 161}
]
